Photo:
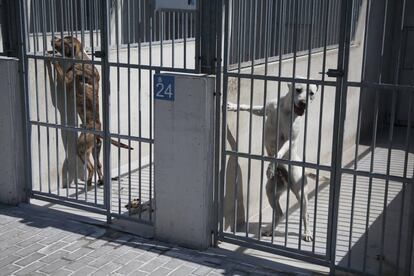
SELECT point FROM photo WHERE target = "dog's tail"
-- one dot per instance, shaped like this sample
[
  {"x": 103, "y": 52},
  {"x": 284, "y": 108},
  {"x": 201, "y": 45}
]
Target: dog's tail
[
  {"x": 314, "y": 176},
  {"x": 120, "y": 145}
]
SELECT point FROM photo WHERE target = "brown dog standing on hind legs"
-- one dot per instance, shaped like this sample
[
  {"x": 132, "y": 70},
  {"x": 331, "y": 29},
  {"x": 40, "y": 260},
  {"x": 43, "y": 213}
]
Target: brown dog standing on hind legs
[{"x": 84, "y": 77}]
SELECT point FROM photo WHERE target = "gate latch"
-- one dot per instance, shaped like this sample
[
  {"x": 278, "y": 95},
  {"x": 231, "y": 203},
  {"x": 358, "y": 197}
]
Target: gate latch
[
  {"x": 99, "y": 54},
  {"x": 335, "y": 73}
]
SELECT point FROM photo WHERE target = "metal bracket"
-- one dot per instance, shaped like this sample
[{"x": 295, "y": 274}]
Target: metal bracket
[
  {"x": 99, "y": 54},
  {"x": 335, "y": 73}
]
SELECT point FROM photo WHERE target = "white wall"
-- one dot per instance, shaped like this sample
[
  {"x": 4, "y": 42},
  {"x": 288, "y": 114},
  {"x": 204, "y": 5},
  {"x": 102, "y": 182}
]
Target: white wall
[
  {"x": 312, "y": 130},
  {"x": 48, "y": 101}
]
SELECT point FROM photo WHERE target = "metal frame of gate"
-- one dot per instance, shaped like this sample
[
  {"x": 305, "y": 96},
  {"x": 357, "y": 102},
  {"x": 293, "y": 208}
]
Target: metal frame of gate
[
  {"x": 336, "y": 169},
  {"x": 105, "y": 29}
]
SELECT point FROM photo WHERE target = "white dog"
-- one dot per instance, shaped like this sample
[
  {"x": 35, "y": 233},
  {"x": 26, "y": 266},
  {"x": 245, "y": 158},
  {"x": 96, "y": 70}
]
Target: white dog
[{"x": 280, "y": 148}]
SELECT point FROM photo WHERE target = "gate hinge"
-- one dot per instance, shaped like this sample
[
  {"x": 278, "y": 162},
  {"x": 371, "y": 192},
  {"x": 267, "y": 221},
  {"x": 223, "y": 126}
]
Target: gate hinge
[
  {"x": 99, "y": 54},
  {"x": 335, "y": 73}
]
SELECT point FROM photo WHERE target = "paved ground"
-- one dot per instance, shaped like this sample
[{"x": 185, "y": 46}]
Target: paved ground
[{"x": 44, "y": 243}]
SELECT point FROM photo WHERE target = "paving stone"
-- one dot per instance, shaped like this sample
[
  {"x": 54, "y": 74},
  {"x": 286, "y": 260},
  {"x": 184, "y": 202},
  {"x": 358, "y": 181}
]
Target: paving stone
[
  {"x": 107, "y": 269},
  {"x": 55, "y": 256},
  {"x": 87, "y": 270},
  {"x": 75, "y": 265},
  {"x": 182, "y": 270},
  {"x": 30, "y": 241},
  {"x": 152, "y": 265},
  {"x": 147, "y": 256},
  {"x": 29, "y": 250},
  {"x": 9, "y": 269},
  {"x": 102, "y": 260},
  {"x": 28, "y": 270},
  {"x": 30, "y": 259},
  {"x": 126, "y": 258},
  {"x": 102, "y": 251},
  {"x": 8, "y": 260},
  {"x": 53, "y": 247},
  {"x": 48, "y": 269},
  {"x": 173, "y": 264},
  {"x": 78, "y": 254},
  {"x": 130, "y": 267},
  {"x": 202, "y": 270},
  {"x": 139, "y": 273},
  {"x": 76, "y": 245},
  {"x": 161, "y": 271},
  {"x": 6, "y": 252},
  {"x": 62, "y": 272}
]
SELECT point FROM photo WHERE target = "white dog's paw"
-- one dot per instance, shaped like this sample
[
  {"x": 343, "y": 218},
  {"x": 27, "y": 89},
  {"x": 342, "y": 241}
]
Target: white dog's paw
[
  {"x": 270, "y": 172},
  {"x": 231, "y": 107},
  {"x": 307, "y": 237}
]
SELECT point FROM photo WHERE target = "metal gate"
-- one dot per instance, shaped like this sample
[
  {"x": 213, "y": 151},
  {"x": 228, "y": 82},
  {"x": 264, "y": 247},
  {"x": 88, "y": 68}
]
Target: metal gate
[
  {"x": 99, "y": 107},
  {"x": 354, "y": 157}
]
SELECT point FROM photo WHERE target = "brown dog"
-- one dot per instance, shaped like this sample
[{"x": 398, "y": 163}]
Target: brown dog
[{"x": 85, "y": 79}]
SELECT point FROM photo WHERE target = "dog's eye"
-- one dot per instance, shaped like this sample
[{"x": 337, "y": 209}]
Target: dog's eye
[
  {"x": 299, "y": 90},
  {"x": 311, "y": 93}
]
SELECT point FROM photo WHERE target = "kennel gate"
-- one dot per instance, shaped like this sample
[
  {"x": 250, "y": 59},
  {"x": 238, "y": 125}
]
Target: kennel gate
[
  {"x": 127, "y": 41},
  {"x": 333, "y": 44},
  {"x": 260, "y": 39}
]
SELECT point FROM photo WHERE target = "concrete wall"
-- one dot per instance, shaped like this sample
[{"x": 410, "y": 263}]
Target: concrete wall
[
  {"x": 241, "y": 165},
  {"x": 52, "y": 102},
  {"x": 12, "y": 142}
]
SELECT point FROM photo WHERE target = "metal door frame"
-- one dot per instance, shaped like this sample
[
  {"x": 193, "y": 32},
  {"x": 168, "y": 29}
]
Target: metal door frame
[{"x": 339, "y": 117}]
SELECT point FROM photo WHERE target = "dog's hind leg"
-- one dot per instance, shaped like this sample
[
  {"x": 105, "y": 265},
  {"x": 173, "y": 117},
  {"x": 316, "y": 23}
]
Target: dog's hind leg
[
  {"x": 84, "y": 152},
  {"x": 96, "y": 154},
  {"x": 296, "y": 186},
  {"x": 275, "y": 186}
]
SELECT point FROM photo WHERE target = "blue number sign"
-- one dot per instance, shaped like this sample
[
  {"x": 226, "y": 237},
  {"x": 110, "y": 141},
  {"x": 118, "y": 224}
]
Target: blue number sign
[{"x": 164, "y": 87}]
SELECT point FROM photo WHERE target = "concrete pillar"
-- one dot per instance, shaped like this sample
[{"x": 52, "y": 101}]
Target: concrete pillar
[
  {"x": 12, "y": 147},
  {"x": 183, "y": 158}
]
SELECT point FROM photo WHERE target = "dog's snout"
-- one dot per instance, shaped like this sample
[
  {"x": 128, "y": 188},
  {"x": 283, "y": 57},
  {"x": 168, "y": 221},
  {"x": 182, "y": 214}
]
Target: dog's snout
[{"x": 302, "y": 104}]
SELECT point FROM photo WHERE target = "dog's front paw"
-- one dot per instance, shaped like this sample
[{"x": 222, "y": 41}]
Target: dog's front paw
[
  {"x": 231, "y": 107},
  {"x": 307, "y": 237},
  {"x": 270, "y": 172}
]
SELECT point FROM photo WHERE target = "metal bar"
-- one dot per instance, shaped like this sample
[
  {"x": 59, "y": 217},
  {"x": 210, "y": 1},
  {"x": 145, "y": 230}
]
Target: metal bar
[
  {"x": 224, "y": 117},
  {"x": 374, "y": 138},
  {"x": 43, "y": 23},
  {"x": 358, "y": 134},
  {"x": 281, "y": 79},
  {"x": 218, "y": 65},
  {"x": 318, "y": 158},
  {"x": 253, "y": 38},
  {"x": 53, "y": 13},
  {"x": 23, "y": 66},
  {"x": 118, "y": 91},
  {"x": 282, "y": 32},
  {"x": 70, "y": 202},
  {"x": 279, "y": 37},
  {"x": 338, "y": 129},
  {"x": 275, "y": 249},
  {"x": 390, "y": 137},
  {"x": 106, "y": 107},
  {"x": 140, "y": 117},
  {"x": 150, "y": 118},
  {"x": 305, "y": 134},
  {"x": 408, "y": 142},
  {"x": 237, "y": 131},
  {"x": 294, "y": 43},
  {"x": 129, "y": 100},
  {"x": 281, "y": 161}
]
